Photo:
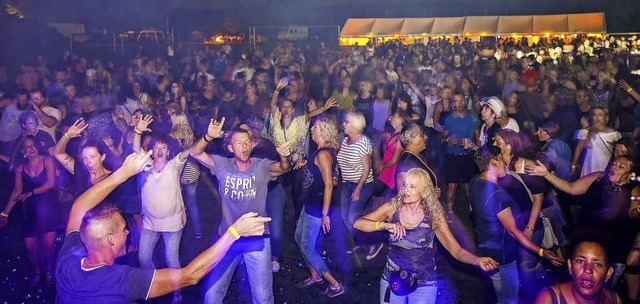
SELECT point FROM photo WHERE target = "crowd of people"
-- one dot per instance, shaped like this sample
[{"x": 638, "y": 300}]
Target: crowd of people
[{"x": 539, "y": 139}]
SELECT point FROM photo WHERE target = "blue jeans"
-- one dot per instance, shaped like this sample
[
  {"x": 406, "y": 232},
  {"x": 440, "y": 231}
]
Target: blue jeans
[
  {"x": 276, "y": 199},
  {"x": 351, "y": 211},
  {"x": 148, "y": 241},
  {"x": 306, "y": 237},
  {"x": 189, "y": 197},
  {"x": 422, "y": 295},
  {"x": 256, "y": 252},
  {"x": 506, "y": 283},
  {"x": 531, "y": 270}
]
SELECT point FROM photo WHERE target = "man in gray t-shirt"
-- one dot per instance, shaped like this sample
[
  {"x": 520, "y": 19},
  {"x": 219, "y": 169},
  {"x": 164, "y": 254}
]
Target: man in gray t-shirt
[{"x": 243, "y": 188}]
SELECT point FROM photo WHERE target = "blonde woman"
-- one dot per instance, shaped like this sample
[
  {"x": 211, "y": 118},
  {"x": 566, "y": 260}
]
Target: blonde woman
[
  {"x": 317, "y": 191},
  {"x": 183, "y": 135},
  {"x": 598, "y": 140},
  {"x": 414, "y": 218},
  {"x": 354, "y": 159}
]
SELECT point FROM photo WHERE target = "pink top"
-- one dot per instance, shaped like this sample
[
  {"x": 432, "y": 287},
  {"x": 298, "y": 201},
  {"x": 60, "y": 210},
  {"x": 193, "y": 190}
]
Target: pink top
[{"x": 387, "y": 175}]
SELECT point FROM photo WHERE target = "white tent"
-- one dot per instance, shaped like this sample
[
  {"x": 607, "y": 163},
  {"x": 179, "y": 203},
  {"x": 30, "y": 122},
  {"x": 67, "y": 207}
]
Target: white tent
[{"x": 589, "y": 23}]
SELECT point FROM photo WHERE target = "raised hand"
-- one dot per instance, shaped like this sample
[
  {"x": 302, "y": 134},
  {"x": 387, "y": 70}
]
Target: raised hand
[
  {"x": 283, "y": 83},
  {"x": 487, "y": 263},
  {"x": 250, "y": 224},
  {"x": 285, "y": 149},
  {"x": 624, "y": 85},
  {"x": 143, "y": 124},
  {"x": 331, "y": 102},
  {"x": 135, "y": 162},
  {"x": 215, "y": 128},
  {"x": 76, "y": 129}
]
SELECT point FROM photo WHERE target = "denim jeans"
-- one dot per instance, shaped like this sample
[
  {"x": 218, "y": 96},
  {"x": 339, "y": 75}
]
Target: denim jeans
[
  {"x": 506, "y": 283},
  {"x": 306, "y": 237},
  {"x": 422, "y": 295},
  {"x": 148, "y": 241},
  {"x": 531, "y": 270},
  {"x": 256, "y": 252},
  {"x": 352, "y": 210},
  {"x": 276, "y": 199},
  {"x": 189, "y": 197}
]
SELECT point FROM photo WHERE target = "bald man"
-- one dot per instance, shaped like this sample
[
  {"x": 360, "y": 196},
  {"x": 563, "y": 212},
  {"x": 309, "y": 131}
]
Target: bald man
[{"x": 96, "y": 236}]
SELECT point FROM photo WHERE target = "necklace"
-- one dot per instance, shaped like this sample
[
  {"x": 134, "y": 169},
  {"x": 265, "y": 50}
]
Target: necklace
[{"x": 435, "y": 182}]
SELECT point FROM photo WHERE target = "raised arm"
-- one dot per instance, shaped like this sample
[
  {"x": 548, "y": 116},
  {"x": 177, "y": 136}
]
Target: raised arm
[
  {"x": 133, "y": 164},
  {"x": 168, "y": 279},
  {"x": 59, "y": 150},
  {"x": 331, "y": 102},
  {"x": 143, "y": 126},
  {"x": 46, "y": 119},
  {"x": 274, "y": 100},
  {"x": 197, "y": 150},
  {"x": 278, "y": 168},
  {"x": 578, "y": 187}
]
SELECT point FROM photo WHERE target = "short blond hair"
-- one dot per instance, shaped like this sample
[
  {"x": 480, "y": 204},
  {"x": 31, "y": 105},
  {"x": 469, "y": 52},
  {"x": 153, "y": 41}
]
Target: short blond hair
[{"x": 357, "y": 121}]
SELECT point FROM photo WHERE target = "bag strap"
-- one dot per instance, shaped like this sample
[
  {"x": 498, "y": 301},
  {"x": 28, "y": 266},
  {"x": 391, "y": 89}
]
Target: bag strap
[
  {"x": 516, "y": 176},
  {"x": 605, "y": 144}
]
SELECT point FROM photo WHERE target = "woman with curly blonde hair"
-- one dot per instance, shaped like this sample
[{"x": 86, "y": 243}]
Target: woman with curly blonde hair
[
  {"x": 414, "y": 219},
  {"x": 317, "y": 189},
  {"x": 183, "y": 134}
]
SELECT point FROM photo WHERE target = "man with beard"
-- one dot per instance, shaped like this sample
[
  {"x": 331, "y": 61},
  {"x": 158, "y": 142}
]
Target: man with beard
[{"x": 242, "y": 183}]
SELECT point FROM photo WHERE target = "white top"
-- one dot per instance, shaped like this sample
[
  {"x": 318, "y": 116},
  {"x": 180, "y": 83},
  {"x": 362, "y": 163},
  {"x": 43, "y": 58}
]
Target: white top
[
  {"x": 162, "y": 204},
  {"x": 350, "y": 159},
  {"x": 55, "y": 113},
  {"x": 598, "y": 148}
]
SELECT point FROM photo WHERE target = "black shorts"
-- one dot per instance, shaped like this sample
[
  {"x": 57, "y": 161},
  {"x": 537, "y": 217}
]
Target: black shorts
[{"x": 459, "y": 168}]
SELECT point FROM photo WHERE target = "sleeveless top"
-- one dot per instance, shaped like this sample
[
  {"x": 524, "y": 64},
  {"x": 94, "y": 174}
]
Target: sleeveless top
[
  {"x": 313, "y": 185},
  {"x": 610, "y": 297},
  {"x": 387, "y": 175},
  {"x": 415, "y": 252}
]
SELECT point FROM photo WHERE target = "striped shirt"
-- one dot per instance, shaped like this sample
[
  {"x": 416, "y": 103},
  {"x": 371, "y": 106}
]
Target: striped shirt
[{"x": 350, "y": 159}]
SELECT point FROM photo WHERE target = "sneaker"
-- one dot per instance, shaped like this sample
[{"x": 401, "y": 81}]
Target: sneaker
[
  {"x": 275, "y": 266},
  {"x": 374, "y": 250},
  {"x": 332, "y": 293},
  {"x": 308, "y": 282}
]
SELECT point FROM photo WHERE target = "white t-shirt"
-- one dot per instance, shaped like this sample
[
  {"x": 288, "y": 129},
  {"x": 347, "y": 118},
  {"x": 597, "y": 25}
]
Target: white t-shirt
[
  {"x": 162, "y": 204},
  {"x": 55, "y": 113},
  {"x": 9, "y": 123}
]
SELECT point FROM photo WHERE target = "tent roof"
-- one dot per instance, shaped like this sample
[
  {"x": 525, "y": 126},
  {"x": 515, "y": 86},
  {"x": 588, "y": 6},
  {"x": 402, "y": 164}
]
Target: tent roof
[{"x": 476, "y": 25}]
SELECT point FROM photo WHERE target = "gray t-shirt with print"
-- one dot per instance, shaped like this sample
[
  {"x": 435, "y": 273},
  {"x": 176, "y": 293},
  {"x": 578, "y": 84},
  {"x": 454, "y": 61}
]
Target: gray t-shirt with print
[{"x": 241, "y": 192}]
